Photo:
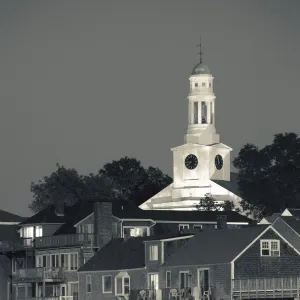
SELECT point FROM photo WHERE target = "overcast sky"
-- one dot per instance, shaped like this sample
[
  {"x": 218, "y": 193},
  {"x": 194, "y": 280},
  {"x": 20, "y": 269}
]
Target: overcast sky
[{"x": 85, "y": 82}]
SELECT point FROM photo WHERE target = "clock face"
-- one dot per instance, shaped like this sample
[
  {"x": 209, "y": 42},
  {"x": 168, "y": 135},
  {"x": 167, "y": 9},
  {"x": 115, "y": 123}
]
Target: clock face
[
  {"x": 219, "y": 162},
  {"x": 191, "y": 161}
]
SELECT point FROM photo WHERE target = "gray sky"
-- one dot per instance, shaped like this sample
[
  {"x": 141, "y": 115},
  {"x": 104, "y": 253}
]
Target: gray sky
[{"x": 86, "y": 82}]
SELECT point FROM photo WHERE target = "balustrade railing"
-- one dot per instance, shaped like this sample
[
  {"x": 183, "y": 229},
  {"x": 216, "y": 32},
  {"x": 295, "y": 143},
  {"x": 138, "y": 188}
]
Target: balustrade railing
[
  {"x": 39, "y": 274},
  {"x": 267, "y": 287},
  {"x": 66, "y": 240},
  {"x": 21, "y": 244}
]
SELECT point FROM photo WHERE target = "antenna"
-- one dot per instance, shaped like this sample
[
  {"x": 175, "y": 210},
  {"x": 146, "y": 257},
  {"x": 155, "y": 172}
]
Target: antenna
[{"x": 200, "y": 51}]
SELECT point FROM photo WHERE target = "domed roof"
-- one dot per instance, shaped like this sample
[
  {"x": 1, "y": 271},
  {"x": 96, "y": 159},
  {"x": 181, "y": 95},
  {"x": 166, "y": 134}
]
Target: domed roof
[{"x": 200, "y": 68}]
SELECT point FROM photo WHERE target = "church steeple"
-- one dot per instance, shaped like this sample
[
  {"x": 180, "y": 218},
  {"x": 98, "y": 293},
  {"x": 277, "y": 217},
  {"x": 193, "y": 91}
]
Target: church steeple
[{"x": 201, "y": 125}]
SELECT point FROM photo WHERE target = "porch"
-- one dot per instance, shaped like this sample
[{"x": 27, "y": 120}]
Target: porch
[
  {"x": 266, "y": 288},
  {"x": 66, "y": 240},
  {"x": 39, "y": 275},
  {"x": 22, "y": 244}
]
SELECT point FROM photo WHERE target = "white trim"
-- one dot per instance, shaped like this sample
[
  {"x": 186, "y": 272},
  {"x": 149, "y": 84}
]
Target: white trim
[
  {"x": 255, "y": 239},
  {"x": 162, "y": 251},
  {"x": 107, "y": 292},
  {"x": 156, "y": 254},
  {"x": 69, "y": 287},
  {"x": 9, "y": 223},
  {"x": 184, "y": 272},
  {"x": 167, "y": 278},
  {"x": 120, "y": 270},
  {"x": 195, "y": 226},
  {"x": 83, "y": 219},
  {"x": 261, "y": 234},
  {"x": 285, "y": 240},
  {"x": 172, "y": 239},
  {"x": 125, "y": 275},
  {"x": 184, "y": 225},
  {"x": 264, "y": 221},
  {"x": 231, "y": 277},
  {"x": 286, "y": 213}
]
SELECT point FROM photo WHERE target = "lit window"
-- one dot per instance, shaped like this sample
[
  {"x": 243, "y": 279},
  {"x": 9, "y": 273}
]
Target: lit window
[
  {"x": 153, "y": 252},
  {"x": 106, "y": 284},
  {"x": 153, "y": 281},
  {"x": 269, "y": 247},
  {"x": 88, "y": 283},
  {"x": 38, "y": 231},
  {"x": 183, "y": 227},
  {"x": 122, "y": 284},
  {"x": 168, "y": 279}
]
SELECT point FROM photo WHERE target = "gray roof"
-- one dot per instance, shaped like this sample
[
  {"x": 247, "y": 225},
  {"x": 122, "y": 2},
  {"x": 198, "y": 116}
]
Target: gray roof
[
  {"x": 9, "y": 217},
  {"x": 271, "y": 219},
  {"x": 200, "y": 69},
  {"x": 295, "y": 212},
  {"x": 292, "y": 222},
  {"x": 231, "y": 185},
  {"x": 214, "y": 246}
]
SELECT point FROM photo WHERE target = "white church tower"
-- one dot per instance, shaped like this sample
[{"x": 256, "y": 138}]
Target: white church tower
[{"x": 202, "y": 164}]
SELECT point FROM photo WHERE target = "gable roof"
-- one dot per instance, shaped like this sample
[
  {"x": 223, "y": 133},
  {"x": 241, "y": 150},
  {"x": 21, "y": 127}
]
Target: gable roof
[
  {"x": 214, "y": 246},
  {"x": 293, "y": 222},
  {"x": 232, "y": 185},
  {"x": 123, "y": 255},
  {"x": 7, "y": 217}
]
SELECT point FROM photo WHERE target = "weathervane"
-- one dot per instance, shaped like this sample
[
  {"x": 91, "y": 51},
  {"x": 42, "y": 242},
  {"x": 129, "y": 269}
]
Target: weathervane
[{"x": 200, "y": 52}]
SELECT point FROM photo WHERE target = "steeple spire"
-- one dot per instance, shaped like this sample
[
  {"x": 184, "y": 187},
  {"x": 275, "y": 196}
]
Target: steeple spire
[{"x": 200, "y": 52}]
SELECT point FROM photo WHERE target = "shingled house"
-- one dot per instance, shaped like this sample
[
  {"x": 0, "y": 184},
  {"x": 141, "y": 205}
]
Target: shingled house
[
  {"x": 247, "y": 263},
  {"x": 54, "y": 243}
]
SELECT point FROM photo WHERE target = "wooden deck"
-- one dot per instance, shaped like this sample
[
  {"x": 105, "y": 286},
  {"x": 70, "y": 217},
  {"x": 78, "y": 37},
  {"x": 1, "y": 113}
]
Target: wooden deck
[
  {"x": 39, "y": 275},
  {"x": 266, "y": 288}
]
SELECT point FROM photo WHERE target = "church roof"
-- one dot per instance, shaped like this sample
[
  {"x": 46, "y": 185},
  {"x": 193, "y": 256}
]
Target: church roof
[
  {"x": 200, "y": 68},
  {"x": 231, "y": 185}
]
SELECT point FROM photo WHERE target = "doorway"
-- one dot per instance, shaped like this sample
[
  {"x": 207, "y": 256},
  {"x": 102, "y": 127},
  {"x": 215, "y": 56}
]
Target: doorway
[{"x": 203, "y": 280}]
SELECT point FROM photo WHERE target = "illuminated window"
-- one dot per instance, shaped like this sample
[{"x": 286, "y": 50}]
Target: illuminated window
[
  {"x": 269, "y": 247},
  {"x": 153, "y": 252},
  {"x": 38, "y": 231}
]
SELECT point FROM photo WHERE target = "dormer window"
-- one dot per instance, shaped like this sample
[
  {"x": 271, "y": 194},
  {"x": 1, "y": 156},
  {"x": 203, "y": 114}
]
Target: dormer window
[
  {"x": 153, "y": 252},
  {"x": 183, "y": 227},
  {"x": 269, "y": 247}
]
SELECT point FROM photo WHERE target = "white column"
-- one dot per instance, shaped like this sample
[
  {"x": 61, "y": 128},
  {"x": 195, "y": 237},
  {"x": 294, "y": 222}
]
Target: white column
[{"x": 208, "y": 112}]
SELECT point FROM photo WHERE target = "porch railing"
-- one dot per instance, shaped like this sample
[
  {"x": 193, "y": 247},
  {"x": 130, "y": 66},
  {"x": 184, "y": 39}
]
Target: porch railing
[
  {"x": 21, "y": 244},
  {"x": 177, "y": 293},
  {"x": 288, "y": 287},
  {"x": 66, "y": 240},
  {"x": 39, "y": 274},
  {"x": 47, "y": 298}
]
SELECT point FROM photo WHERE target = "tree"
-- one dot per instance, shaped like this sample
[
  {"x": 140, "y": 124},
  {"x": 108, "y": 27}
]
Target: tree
[
  {"x": 125, "y": 179},
  {"x": 208, "y": 203},
  {"x": 269, "y": 178}
]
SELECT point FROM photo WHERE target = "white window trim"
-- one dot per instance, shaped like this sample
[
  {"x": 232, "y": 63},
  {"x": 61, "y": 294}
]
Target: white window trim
[
  {"x": 198, "y": 226},
  {"x": 149, "y": 275},
  {"x": 150, "y": 252},
  {"x": 123, "y": 289},
  {"x": 88, "y": 282},
  {"x": 69, "y": 286},
  {"x": 106, "y": 292},
  {"x": 269, "y": 247},
  {"x": 131, "y": 227},
  {"x": 185, "y": 226},
  {"x": 168, "y": 272},
  {"x": 69, "y": 256}
]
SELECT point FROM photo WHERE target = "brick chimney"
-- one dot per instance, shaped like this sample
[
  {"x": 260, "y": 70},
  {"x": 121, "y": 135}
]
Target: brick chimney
[
  {"x": 102, "y": 221},
  {"x": 59, "y": 206},
  {"x": 221, "y": 222}
]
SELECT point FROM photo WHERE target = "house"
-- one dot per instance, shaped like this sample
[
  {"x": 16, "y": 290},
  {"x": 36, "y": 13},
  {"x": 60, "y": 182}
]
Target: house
[
  {"x": 250, "y": 262},
  {"x": 8, "y": 232},
  {"x": 53, "y": 244}
]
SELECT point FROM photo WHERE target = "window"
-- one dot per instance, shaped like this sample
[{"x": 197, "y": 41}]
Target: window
[
  {"x": 182, "y": 227},
  {"x": 73, "y": 262},
  {"x": 209, "y": 84},
  {"x": 198, "y": 226},
  {"x": 88, "y": 283},
  {"x": 269, "y": 247},
  {"x": 106, "y": 284},
  {"x": 17, "y": 263},
  {"x": 38, "y": 231},
  {"x": 203, "y": 112},
  {"x": 28, "y": 232},
  {"x": 195, "y": 112},
  {"x": 153, "y": 252},
  {"x": 168, "y": 279},
  {"x": 122, "y": 284},
  {"x": 73, "y": 288},
  {"x": 54, "y": 260},
  {"x": 203, "y": 84},
  {"x": 153, "y": 281},
  {"x": 136, "y": 231},
  {"x": 196, "y": 84}
]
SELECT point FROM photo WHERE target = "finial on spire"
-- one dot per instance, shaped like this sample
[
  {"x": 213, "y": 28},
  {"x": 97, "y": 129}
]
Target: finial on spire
[{"x": 200, "y": 52}]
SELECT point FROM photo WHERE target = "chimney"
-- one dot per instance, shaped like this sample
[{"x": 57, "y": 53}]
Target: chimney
[
  {"x": 59, "y": 206},
  {"x": 222, "y": 222},
  {"x": 102, "y": 221}
]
